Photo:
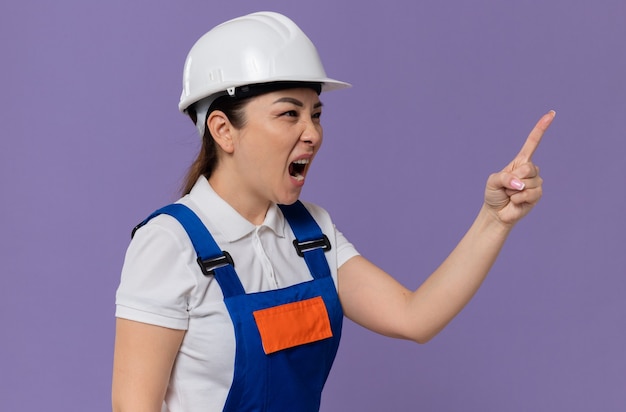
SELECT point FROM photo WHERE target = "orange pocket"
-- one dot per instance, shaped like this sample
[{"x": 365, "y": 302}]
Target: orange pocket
[{"x": 293, "y": 324}]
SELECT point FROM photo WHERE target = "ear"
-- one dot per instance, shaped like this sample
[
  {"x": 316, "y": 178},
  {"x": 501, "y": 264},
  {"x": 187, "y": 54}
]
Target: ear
[{"x": 221, "y": 129}]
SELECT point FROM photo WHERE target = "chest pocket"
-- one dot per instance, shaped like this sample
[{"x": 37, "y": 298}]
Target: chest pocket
[{"x": 293, "y": 324}]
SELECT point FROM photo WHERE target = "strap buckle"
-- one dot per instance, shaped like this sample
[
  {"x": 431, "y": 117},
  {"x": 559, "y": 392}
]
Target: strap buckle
[
  {"x": 302, "y": 247},
  {"x": 132, "y": 234},
  {"x": 209, "y": 265}
]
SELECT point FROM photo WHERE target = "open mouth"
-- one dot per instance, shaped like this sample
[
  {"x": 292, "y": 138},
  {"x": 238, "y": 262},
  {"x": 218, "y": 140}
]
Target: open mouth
[{"x": 296, "y": 169}]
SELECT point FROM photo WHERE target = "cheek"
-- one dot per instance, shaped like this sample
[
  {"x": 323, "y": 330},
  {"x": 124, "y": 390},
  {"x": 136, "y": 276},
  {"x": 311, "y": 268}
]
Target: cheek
[{"x": 265, "y": 156}]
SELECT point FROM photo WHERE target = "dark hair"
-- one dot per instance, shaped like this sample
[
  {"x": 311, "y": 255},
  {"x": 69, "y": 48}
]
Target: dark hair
[{"x": 207, "y": 157}]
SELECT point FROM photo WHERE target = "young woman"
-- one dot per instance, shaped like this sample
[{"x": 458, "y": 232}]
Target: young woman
[{"x": 232, "y": 299}]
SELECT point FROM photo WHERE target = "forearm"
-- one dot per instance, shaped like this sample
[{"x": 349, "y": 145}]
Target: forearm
[
  {"x": 375, "y": 300},
  {"x": 442, "y": 296}
]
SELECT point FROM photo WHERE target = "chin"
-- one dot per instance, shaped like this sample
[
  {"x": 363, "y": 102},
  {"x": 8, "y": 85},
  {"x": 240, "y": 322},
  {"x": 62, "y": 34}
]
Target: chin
[
  {"x": 288, "y": 198},
  {"x": 288, "y": 201}
]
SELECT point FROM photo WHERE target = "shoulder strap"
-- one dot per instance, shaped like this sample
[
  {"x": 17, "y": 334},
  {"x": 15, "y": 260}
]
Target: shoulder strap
[
  {"x": 310, "y": 242},
  {"x": 211, "y": 259}
]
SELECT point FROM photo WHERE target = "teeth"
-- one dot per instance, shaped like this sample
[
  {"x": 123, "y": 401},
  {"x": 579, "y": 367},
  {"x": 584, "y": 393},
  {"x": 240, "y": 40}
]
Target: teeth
[{"x": 295, "y": 170}]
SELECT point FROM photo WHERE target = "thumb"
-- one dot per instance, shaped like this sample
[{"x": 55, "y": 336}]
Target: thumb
[{"x": 505, "y": 180}]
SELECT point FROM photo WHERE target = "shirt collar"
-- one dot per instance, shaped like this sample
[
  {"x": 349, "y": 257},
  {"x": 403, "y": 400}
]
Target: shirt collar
[{"x": 226, "y": 219}]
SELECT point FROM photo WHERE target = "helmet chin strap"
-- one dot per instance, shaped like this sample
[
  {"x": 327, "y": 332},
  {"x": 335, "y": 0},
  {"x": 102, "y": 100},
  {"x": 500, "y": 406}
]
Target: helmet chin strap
[{"x": 202, "y": 109}]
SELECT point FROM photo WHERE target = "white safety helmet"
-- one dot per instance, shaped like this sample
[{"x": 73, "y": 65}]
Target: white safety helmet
[{"x": 258, "y": 48}]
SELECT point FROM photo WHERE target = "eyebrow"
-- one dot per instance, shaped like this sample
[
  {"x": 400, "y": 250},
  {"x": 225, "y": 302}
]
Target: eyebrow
[{"x": 296, "y": 102}]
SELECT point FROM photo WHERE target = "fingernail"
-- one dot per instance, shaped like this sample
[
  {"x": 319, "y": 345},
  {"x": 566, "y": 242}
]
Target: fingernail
[{"x": 517, "y": 184}]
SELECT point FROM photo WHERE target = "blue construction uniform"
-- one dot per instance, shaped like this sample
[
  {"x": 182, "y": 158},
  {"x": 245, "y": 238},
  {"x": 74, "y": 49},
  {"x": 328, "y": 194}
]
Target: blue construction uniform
[{"x": 286, "y": 339}]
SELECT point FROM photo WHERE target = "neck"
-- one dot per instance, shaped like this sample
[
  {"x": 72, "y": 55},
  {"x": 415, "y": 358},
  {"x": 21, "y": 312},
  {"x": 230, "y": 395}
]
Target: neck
[{"x": 247, "y": 204}]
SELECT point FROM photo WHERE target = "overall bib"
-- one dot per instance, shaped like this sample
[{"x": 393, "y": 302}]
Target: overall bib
[{"x": 286, "y": 339}]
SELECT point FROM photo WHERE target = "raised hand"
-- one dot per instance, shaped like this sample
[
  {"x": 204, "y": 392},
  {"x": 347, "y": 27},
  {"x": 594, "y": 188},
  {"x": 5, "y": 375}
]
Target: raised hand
[{"x": 511, "y": 193}]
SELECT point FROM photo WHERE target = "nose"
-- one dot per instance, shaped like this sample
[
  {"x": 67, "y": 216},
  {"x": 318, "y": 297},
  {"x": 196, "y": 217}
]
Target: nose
[{"x": 313, "y": 133}]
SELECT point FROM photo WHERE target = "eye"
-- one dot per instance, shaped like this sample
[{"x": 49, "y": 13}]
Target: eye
[
  {"x": 317, "y": 115},
  {"x": 290, "y": 113}
]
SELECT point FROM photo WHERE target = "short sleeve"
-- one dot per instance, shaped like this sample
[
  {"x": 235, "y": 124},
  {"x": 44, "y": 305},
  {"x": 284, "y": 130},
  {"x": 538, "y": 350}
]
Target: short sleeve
[
  {"x": 157, "y": 280},
  {"x": 345, "y": 249}
]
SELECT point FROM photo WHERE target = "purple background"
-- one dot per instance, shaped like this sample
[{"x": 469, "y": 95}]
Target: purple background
[{"x": 444, "y": 94}]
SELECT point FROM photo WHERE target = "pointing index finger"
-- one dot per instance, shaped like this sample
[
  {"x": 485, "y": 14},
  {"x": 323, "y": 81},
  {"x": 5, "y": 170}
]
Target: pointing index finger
[{"x": 532, "y": 142}]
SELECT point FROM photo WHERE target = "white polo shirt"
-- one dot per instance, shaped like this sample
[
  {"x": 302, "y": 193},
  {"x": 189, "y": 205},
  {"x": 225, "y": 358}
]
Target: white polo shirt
[{"x": 162, "y": 284}]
